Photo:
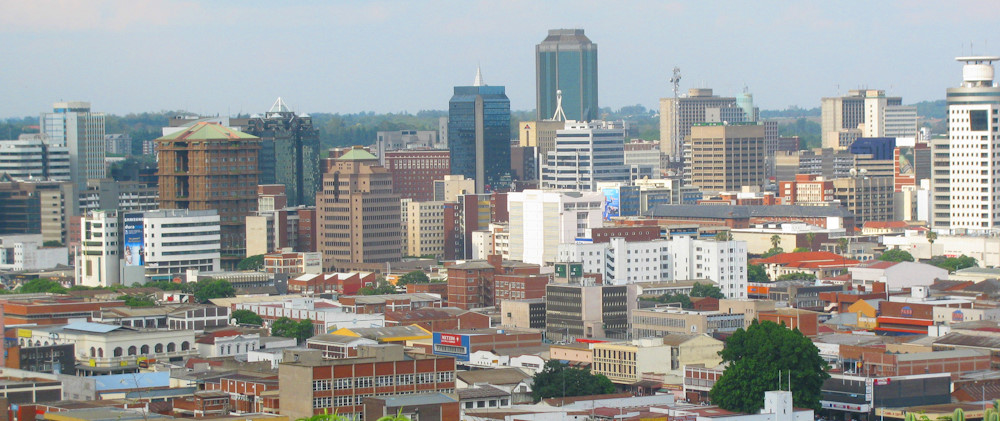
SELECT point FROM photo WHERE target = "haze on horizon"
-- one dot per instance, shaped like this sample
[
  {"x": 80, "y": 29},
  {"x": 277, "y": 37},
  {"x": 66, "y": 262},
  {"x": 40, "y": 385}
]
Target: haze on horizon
[{"x": 225, "y": 57}]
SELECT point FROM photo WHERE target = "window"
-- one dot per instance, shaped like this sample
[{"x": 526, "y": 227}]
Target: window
[
  {"x": 321, "y": 384},
  {"x": 324, "y": 402},
  {"x": 363, "y": 382},
  {"x": 341, "y": 384}
]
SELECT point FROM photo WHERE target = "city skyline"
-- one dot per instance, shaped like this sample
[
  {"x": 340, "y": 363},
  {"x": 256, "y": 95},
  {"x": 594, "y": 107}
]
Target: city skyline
[{"x": 327, "y": 57}]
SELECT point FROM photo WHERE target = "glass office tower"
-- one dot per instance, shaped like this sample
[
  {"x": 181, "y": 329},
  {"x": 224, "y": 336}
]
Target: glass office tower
[
  {"x": 566, "y": 60},
  {"x": 479, "y": 135}
]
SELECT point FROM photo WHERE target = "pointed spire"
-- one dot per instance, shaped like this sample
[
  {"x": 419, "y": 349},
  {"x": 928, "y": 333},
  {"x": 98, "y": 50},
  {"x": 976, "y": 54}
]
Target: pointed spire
[
  {"x": 479, "y": 77},
  {"x": 279, "y": 107},
  {"x": 559, "y": 115}
]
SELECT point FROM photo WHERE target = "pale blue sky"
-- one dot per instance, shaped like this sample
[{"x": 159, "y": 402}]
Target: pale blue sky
[{"x": 392, "y": 56}]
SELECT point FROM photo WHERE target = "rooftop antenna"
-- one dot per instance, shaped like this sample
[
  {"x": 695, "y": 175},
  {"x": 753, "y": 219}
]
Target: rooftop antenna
[
  {"x": 675, "y": 141},
  {"x": 479, "y": 77},
  {"x": 559, "y": 115}
]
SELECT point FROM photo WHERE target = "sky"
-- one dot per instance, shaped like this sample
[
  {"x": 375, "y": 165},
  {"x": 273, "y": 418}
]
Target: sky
[{"x": 226, "y": 57}]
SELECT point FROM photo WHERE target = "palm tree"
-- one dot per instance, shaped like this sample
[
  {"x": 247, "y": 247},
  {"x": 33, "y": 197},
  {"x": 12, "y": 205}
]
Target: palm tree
[
  {"x": 810, "y": 238},
  {"x": 931, "y": 236},
  {"x": 398, "y": 417},
  {"x": 775, "y": 241},
  {"x": 842, "y": 244},
  {"x": 723, "y": 236}
]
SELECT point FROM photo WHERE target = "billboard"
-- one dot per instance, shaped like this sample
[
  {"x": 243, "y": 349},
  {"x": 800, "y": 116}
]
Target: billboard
[
  {"x": 905, "y": 161},
  {"x": 132, "y": 235},
  {"x": 612, "y": 203}
]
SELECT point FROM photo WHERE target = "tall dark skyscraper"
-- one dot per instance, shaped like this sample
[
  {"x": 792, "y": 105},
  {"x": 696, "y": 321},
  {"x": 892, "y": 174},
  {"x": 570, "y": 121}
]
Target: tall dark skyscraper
[
  {"x": 566, "y": 60},
  {"x": 289, "y": 152},
  {"x": 479, "y": 135}
]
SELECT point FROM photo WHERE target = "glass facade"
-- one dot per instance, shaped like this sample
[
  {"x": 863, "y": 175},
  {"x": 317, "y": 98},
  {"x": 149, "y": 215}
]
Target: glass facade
[
  {"x": 566, "y": 60},
  {"x": 479, "y": 136}
]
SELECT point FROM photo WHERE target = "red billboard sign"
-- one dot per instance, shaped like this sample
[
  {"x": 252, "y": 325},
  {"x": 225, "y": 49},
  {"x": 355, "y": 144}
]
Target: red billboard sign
[{"x": 447, "y": 339}]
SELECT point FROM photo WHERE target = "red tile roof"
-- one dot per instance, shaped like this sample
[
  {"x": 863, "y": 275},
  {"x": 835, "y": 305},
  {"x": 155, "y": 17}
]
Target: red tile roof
[
  {"x": 886, "y": 224},
  {"x": 878, "y": 264}
]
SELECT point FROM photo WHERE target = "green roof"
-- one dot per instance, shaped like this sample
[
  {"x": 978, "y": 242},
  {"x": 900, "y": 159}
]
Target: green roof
[
  {"x": 357, "y": 154},
  {"x": 207, "y": 131}
]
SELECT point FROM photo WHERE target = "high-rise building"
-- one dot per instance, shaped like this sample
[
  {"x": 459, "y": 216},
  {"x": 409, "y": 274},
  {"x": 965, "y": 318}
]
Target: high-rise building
[
  {"x": 449, "y": 187},
  {"x": 73, "y": 125},
  {"x": 974, "y": 156},
  {"x": 35, "y": 157},
  {"x": 211, "y": 167},
  {"x": 125, "y": 196},
  {"x": 289, "y": 152},
  {"x": 425, "y": 229},
  {"x": 940, "y": 213},
  {"x": 727, "y": 156},
  {"x": 862, "y": 113},
  {"x": 566, "y": 61},
  {"x": 540, "y": 220},
  {"x": 414, "y": 171},
  {"x": 585, "y": 154},
  {"x": 359, "y": 215},
  {"x": 868, "y": 198},
  {"x": 405, "y": 139},
  {"x": 588, "y": 311},
  {"x": 479, "y": 135},
  {"x": 118, "y": 144},
  {"x": 32, "y": 207},
  {"x": 699, "y": 106}
]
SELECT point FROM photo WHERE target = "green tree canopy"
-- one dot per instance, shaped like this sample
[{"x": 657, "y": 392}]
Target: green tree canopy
[
  {"x": 772, "y": 252},
  {"x": 138, "y": 300},
  {"x": 800, "y": 250},
  {"x": 706, "y": 290},
  {"x": 756, "y": 356},
  {"x": 52, "y": 243},
  {"x": 288, "y": 328},
  {"x": 166, "y": 285},
  {"x": 797, "y": 276},
  {"x": 41, "y": 285},
  {"x": 415, "y": 277},
  {"x": 684, "y": 300},
  {"x": 896, "y": 255},
  {"x": 207, "y": 289},
  {"x": 756, "y": 273},
  {"x": 251, "y": 263},
  {"x": 381, "y": 288},
  {"x": 557, "y": 380},
  {"x": 954, "y": 263},
  {"x": 246, "y": 317}
]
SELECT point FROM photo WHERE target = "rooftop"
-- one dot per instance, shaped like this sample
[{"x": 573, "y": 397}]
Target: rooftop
[
  {"x": 500, "y": 376},
  {"x": 481, "y": 391},
  {"x": 747, "y": 211},
  {"x": 208, "y": 131}
]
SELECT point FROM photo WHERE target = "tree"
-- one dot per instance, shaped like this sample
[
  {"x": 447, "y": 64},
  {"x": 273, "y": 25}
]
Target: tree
[
  {"x": 896, "y": 255},
  {"x": 953, "y": 264},
  {"x": 288, "y": 328},
  {"x": 684, "y": 300},
  {"x": 706, "y": 290},
  {"x": 842, "y": 244},
  {"x": 801, "y": 250},
  {"x": 52, "y": 243},
  {"x": 207, "y": 289},
  {"x": 166, "y": 285},
  {"x": 557, "y": 380},
  {"x": 797, "y": 276},
  {"x": 138, "y": 300},
  {"x": 41, "y": 285},
  {"x": 756, "y": 273},
  {"x": 251, "y": 263},
  {"x": 246, "y": 317},
  {"x": 723, "y": 236},
  {"x": 772, "y": 252},
  {"x": 415, "y": 277},
  {"x": 400, "y": 417},
  {"x": 382, "y": 287},
  {"x": 756, "y": 356},
  {"x": 775, "y": 241},
  {"x": 811, "y": 239},
  {"x": 931, "y": 236}
]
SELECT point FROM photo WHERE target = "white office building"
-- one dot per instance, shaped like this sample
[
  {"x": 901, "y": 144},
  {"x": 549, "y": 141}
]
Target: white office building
[
  {"x": 36, "y": 157},
  {"x": 541, "y": 220},
  {"x": 974, "y": 154},
  {"x": 27, "y": 252},
  {"x": 585, "y": 154},
  {"x": 73, "y": 125},
  {"x": 681, "y": 258},
  {"x": 98, "y": 264},
  {"x": 176, "y": 240}
]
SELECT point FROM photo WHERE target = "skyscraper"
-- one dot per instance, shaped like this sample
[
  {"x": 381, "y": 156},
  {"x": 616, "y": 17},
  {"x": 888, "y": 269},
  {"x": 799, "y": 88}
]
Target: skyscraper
[
  {"x": 585, "y": 154},
  {"x": 210, "y": 166},
  {"x": 73, "y": 125},
  {"x": 479, "y": 134},
  {"x": 359, "y": 215},
  {"x": 699, "y": 106},
  {"x": 289, "y": 152},
  {"x": 859, "y": 114},
  {"x": 973, "y": 153},
  {"x": 727, "y": 156},
  {"x": 566, "y": 61}
]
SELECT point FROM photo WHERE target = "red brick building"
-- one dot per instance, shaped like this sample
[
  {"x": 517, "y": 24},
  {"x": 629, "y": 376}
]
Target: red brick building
[
  {"x": 518, "y": 287},
  {"x": 414, "y": 171},
  {"x": 804, "y": 320},
  {"x": 440, "y": 288},
  {"x": 807, "y": 188},
  {"x": 247, "y": 392},
  {"x": 438, "y": 319},
  {"x": 202, "y": 404},
  {"x": 340, "y": 283},
  {"x": 51, "y": 310},
  {"x": 473, "y": 285},
  {"x": 311, "y": 385}
]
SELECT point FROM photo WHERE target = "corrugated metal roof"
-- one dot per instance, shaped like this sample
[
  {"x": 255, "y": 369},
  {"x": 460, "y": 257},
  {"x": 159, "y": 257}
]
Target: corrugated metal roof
[
  {"x": 91, "y": 327},
  {"x": 208, "y": 131}
]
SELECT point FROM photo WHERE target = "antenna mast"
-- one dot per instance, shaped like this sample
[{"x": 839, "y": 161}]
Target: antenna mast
[{"x": 676, "y": 138}]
